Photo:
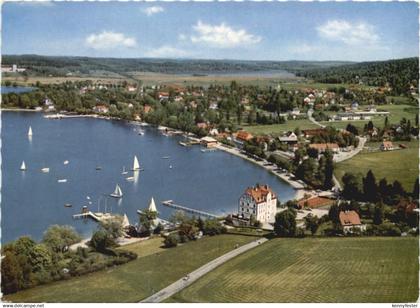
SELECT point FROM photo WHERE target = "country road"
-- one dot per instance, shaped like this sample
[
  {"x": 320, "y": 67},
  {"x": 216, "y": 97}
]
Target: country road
[{"x": 193, "y": 276}]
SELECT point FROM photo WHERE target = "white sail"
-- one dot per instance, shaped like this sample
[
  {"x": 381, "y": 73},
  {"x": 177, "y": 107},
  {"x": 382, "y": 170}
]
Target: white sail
[
  {"x": 30, "y": 131},
  {"x": 136, "y": 165},
  {"x": 152, "y": 205},
  {"x": 23, "y": 166},
  {"x": 117, "y": 192}
]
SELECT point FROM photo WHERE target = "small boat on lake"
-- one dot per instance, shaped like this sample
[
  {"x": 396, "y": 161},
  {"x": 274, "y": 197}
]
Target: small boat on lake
[
  {"x": 130, "y": 178},
  {"x": 124, "y": 171},
  {"x": 117, "y": 192},
  {"x": 30, "y": 131},
  {"x": 170, "y": 166},
  {"x": 166, "y": 157},
  {"x": 140, "y": 132},
  {"x": 184, "y": 144},
  {"x": 68, "y": 205},
  {"x": 98, "y": 168},
  {"x": 45, "y": 170},
  {"x": 66, "y": 162},
  {"x": 62, "y": 181},
  {"x": 23, "y": 166},
  {"x": 136, "y": 165}
]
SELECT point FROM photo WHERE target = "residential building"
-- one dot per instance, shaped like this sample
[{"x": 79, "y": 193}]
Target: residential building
[
  {"x": 290, "y": 138},
  {"x": 350, "y": 220},
  {"x": 386, "y": 146},
  {"x": 243, "y": 136},
  {"x": 101, "y": 109},
  {"x": 259, "y": 201},
  {"x": 322, "y": 147},
  {"x": 209, "y": 142}
]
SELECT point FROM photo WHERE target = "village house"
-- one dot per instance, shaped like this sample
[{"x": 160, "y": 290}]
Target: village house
[
  {"x": 322, "y": 147},
  {"x": 209, "y": 142},
  {"x": 350, "y": 221},
  {"x": 163, "y": 95},
  {"x": 243, "y": 136},
  {"x": 308, "y": 133},
  {"x": 101, "y": 109},
  {"x": 289, "y": 138},
  {"x": 147, "y": 109},
  {"x": 259, "y": 201},
  {"x": 213, "y": 106},
  {"x": 214, "y": 132},
  {"x": 386, "y": 146}
]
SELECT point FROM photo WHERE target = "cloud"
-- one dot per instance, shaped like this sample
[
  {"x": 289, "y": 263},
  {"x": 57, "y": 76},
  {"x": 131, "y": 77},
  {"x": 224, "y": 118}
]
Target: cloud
[
  {"x": 222, "y": 36},
  {"x": 349, "y": 33},
  {"x": 151, "y": 10},
  {"x": 110, "y": 40},
  {"x": 166, "y": 52}
]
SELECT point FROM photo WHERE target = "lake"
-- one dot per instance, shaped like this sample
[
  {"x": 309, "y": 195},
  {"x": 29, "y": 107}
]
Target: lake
[
  {"x": 31, "y": 200},
  {"x": 6, "y": 90}
]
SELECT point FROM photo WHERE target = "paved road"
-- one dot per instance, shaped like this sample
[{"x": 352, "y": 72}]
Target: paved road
[
  {"x": 310, "y": 118},
  {"x": 347, "y": 155},
  {"x": 193, "y": 276}
]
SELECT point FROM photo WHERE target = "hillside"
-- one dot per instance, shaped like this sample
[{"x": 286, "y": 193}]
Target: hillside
[
  {"x": 398, "y": 74},
  {"x": 59, "y": 66}
]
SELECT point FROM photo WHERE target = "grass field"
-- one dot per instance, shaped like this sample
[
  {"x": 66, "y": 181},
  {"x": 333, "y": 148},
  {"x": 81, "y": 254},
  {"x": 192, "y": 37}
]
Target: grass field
[
  {"x": 401, "y": 165},
  {"x": 155, "y": 269},
  {"x": 397, "y": 112},
  {"x": 315, "y": 270},
  {"x": 290, "y": 125}
]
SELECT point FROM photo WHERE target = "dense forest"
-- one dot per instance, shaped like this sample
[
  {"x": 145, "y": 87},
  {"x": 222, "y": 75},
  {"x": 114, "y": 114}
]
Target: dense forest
[
  {"x": 59, "y": 66},
  {"x": 400, "y": 74}
]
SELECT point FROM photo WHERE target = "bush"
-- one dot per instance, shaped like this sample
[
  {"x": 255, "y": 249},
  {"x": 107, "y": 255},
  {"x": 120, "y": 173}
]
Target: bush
[
  {"x": 101, "y": 241},
  {"x": 171, "y": 240},
  {"x": 213, "y": 227}
]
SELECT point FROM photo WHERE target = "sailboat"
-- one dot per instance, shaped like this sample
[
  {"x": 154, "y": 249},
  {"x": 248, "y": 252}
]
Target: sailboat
[
  {"x": 124, "y": 171},
  {"x": 117, "y": 192},
  {"x": 23, "y": 166},
  {"x": 45, "y": 170},
  {"x": 30, "y": 131},
  {"x": 136, "y": 165}
]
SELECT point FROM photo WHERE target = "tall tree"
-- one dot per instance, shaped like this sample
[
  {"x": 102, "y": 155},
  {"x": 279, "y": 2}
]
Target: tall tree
[
  {"x": 329, "y": 169},
  {"x": 370, "y": 189},
  {"x": 351, "y": 186},
  {"x": 285, "y": 224}
]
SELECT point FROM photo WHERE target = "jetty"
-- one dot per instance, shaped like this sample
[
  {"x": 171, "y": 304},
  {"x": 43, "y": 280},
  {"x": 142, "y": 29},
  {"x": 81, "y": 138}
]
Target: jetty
[
  {"x": 170, "y": 203},
  {"x": 95, "y": 216}
]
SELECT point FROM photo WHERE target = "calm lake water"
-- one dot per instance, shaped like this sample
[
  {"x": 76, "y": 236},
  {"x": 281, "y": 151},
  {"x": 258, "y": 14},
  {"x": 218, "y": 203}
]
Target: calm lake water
[
  {"x": 32, "y": 200},
  {"x": 5, "y": 90}
]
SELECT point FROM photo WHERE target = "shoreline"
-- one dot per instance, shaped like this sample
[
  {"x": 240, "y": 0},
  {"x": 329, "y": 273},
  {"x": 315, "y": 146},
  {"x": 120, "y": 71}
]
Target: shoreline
[{"x": 300, "y": 190}]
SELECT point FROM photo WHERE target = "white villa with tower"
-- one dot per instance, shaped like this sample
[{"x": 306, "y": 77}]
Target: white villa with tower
[{"x": 259, "y": 201}]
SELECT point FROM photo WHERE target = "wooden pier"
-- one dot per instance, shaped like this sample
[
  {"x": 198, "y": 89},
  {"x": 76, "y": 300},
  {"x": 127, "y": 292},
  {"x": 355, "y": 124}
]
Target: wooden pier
[
  {"x": 170, "y": 203},
  {"x": 95, "y": 216}
]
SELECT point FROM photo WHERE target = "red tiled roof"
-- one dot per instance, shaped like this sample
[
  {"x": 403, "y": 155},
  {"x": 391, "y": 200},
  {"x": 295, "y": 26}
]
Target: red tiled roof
[
  {"x": 259, "y": 193},
  {"x": 349, "y": 218},
  {"x": 243, "y": 135},
  {"x": 324, "y": 146},
  {"x": 315, "y": 202}
]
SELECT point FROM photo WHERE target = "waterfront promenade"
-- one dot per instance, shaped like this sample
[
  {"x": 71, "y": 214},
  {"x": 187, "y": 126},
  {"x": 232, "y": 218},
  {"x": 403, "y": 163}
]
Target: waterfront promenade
[{"x": 300, "y": 188}]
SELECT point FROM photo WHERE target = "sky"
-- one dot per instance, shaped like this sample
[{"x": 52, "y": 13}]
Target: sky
[{"x": 351, "y": 31}]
